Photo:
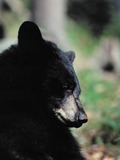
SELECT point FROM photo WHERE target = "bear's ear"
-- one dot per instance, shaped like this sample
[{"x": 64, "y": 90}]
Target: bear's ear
[
  {"x": 71, "y": 56},
  {"x": 29, "y": 35}
]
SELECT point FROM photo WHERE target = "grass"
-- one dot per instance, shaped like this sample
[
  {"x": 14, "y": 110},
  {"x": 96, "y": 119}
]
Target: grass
[
  {"x": 100, "y": 97},
  {"x": 102, "y": 104}
]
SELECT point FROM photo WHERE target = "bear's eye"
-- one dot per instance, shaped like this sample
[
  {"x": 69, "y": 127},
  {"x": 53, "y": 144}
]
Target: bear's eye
[{"x": 68, "y": 87}]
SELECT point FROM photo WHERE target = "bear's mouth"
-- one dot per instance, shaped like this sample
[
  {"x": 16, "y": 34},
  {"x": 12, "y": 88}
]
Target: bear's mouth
[{"x": 69, "y": 123}]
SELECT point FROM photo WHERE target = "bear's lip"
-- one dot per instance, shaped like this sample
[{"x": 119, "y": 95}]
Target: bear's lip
[
  {"x": 71, "y": 124},
  {"x": 74, "y": 124}
]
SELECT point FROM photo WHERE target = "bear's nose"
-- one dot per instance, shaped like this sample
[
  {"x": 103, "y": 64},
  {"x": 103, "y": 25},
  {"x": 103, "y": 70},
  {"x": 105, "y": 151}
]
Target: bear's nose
[
  {"x": 84, "y": 120},
  {"x": 82, "y": 117}
]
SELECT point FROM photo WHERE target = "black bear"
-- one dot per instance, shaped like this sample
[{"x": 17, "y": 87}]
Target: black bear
[{"x": 39, "y": 100}]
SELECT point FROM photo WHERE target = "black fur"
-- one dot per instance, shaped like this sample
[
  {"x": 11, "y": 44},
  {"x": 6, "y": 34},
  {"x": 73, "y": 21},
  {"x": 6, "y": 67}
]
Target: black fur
[{"x": 36, "y": 77}]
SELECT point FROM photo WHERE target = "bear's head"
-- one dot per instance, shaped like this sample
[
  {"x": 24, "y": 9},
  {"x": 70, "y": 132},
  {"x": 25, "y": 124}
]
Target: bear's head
[{"x": 52, "y": 77}]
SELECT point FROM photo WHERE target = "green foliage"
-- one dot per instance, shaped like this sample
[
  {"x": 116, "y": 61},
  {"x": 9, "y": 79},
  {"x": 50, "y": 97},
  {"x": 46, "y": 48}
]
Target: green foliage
[
  {"x": 80, "y": 36},
  {"x": 113, "y": 29},
  {"x": 27, "y": 3},
  {"x": 102, "y": 98}
]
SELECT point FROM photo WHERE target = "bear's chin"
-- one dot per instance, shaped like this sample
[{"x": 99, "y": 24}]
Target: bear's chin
[{"x": 73, "y": 125}]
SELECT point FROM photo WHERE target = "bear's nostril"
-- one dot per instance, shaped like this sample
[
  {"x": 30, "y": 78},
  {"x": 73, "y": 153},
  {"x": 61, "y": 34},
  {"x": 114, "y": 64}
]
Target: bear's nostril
[{"x": 82, "y": 118}]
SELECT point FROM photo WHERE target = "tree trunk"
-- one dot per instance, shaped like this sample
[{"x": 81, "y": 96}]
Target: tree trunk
[{"x": 50, "y": 15}]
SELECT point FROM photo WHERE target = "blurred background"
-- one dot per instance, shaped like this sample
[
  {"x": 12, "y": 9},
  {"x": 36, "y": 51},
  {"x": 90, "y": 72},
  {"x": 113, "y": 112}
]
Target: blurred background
[{"x": 92, "y": 29}]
